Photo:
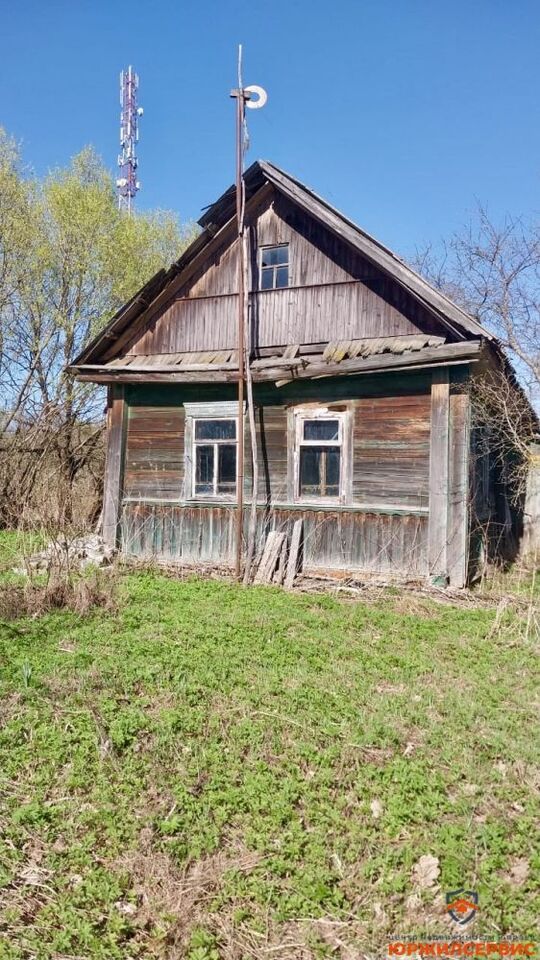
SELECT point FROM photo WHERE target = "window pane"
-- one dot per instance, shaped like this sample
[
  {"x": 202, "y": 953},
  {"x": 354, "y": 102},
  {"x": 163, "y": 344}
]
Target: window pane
[
  {"x": 332, "y": 455},
  {"x": 282, "y": 277},
  {"x": 310, "y": 471},
  {"x": 204, "y": 468},
  {"x": 226, "y": 482},
  {"x": 319, "y": 471},
  {"x": 321, "y": 429},
  {"x": 215, "y": 429},
  {"x": 267, "y": 278},
  {"x": 272, "y": 256}
]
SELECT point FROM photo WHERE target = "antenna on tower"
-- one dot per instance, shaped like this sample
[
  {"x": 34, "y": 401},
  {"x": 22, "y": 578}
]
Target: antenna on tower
[{"x": 127, "y": 183}]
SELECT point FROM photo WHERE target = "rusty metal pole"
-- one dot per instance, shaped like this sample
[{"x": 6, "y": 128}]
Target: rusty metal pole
[{"x": 240, "y": 110}]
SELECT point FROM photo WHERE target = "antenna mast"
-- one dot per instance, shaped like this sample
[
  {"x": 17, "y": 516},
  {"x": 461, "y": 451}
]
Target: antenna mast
[
  {"x": 127, "y": 183},
  {"x": 252, "y": 97}
]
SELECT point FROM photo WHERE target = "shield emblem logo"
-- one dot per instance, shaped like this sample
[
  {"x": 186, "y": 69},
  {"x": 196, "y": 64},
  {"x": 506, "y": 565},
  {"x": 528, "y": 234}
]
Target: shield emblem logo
[{"x": 462, "y": 905}]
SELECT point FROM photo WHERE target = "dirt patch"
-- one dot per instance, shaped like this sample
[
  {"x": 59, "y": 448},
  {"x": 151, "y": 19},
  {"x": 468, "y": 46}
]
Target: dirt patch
[{"x": 163, "y": 890}]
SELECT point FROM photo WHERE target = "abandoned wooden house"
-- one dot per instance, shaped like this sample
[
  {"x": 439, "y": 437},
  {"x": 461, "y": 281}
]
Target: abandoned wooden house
[{"x": 360, "y": 372}]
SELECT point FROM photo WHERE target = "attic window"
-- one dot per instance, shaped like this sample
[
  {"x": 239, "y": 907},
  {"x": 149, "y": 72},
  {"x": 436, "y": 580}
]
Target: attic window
[{"x": 274, "y": 266}]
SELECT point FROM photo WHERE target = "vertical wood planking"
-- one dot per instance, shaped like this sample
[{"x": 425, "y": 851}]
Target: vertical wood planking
[
  {"x": 331, "y": 287},
  {"x": 438, "y": 476},
  {"x": 458, "y": 520},
  {"x": 285, "y": 316},
  {"x": 362, "y": 542},
  {"x": 112, "y": 488}
]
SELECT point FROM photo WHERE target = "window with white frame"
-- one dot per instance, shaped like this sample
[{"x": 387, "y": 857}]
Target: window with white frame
[
  {"x": 319, "y": 455},
  {"x": 274, "y": 266},
  {"x": 214, "y": 456}
]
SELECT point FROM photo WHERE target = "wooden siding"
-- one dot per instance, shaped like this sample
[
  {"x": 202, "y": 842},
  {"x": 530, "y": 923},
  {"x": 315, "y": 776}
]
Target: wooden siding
[
  {"x": 291, "y": 315},
  {"x": 332, "y": 290},
  {"x": 334, "y": 541},
  {"x": 391, "y": 450},
  {"x": 390, "y": 459},
  {"x": 154, "y": 463},
  {"x": 271, "y": 425},
  {"x": 383, "y": 530}
]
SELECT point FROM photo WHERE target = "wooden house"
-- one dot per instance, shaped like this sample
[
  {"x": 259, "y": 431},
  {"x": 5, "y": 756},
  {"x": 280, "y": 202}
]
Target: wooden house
[{"x": 361, "y": 375}]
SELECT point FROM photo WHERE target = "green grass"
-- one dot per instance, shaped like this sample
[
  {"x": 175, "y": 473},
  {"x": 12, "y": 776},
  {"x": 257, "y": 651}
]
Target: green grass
[{"x": 218, "y": 772}]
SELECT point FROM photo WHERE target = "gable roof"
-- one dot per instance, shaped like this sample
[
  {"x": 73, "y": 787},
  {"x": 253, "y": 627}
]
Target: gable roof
[{"x": 223, "y": 211}]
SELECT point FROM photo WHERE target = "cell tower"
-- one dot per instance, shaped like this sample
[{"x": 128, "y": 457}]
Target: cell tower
[{"x": 127, "y": 184}]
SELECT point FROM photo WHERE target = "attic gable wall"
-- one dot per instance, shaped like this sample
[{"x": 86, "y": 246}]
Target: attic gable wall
[{"x": 333, "y": 293}]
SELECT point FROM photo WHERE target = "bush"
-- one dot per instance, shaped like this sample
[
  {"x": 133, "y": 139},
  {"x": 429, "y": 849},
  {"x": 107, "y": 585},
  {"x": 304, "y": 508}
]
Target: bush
[{"x": 60, "y": 592}]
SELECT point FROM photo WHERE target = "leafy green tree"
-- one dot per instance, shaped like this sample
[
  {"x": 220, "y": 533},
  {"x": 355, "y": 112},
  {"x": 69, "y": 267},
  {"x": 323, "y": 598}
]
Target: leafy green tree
[{"x": 68, "y": 260}]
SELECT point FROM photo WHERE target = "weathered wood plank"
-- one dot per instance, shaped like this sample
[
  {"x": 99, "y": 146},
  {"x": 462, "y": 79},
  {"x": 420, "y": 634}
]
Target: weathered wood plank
[
  {"x": 292, "y": 563},
  {"x": 154, "y": 456},
  {"x": 457, "y": 550},
  {"x": 291, "y": 351},
  {"x": 260, "y": 575},
  {"x": 270, "y": 557},
  {"x": 358, "y": 542},
  {"x": 112, "y": 487},
  {"x": 391, "y": 449},
  {"x": 438, "y": 476},
  {"x": 281, "y": 562},
  {"x": 211, "y": 373}
]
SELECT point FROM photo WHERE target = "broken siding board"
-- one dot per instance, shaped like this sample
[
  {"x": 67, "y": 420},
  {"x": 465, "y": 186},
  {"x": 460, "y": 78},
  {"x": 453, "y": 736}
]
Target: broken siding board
[
  {"x": 438, "y": 476},
  {"x": 291, "y": 351},
  {"x": 112, "y": 488}
]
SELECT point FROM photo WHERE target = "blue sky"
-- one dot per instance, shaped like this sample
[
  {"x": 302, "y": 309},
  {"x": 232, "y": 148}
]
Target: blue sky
[{"x": 403, "y": 113}]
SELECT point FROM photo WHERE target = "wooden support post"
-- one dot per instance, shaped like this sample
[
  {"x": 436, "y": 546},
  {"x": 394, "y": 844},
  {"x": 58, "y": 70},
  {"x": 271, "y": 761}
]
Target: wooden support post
[
  {"x": 458, "y": 501},
  {"x": 438, "y": 479},
  {"x": 112, "y": 487}
]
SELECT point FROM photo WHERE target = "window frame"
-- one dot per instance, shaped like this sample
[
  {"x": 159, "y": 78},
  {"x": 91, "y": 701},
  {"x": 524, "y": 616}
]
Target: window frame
[
  {"x": 275, "y": 267},
  {"x": 194, "y": 443},
  {"x": 300, "y": 416}
]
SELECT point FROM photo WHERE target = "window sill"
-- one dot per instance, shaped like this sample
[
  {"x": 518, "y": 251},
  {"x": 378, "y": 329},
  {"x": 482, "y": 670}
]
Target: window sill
[
  {"x": 210, "y": 498},
  {"x": 395, "y": 509}
]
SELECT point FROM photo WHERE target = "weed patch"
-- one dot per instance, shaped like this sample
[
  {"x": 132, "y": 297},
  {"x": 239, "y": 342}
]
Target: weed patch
[
  {"x": 214, "y": 772},
  {"x": 32, "y": 597}
]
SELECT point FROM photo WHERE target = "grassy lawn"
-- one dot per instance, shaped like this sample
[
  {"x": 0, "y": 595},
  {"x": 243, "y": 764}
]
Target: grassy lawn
[{"x": 218, "y": 772}]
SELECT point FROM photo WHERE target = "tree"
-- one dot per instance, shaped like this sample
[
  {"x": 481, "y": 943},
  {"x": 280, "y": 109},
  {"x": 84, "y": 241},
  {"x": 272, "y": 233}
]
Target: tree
[
  {"x": 68, "y": 260},
  {"x": 493, "y": 271}
]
